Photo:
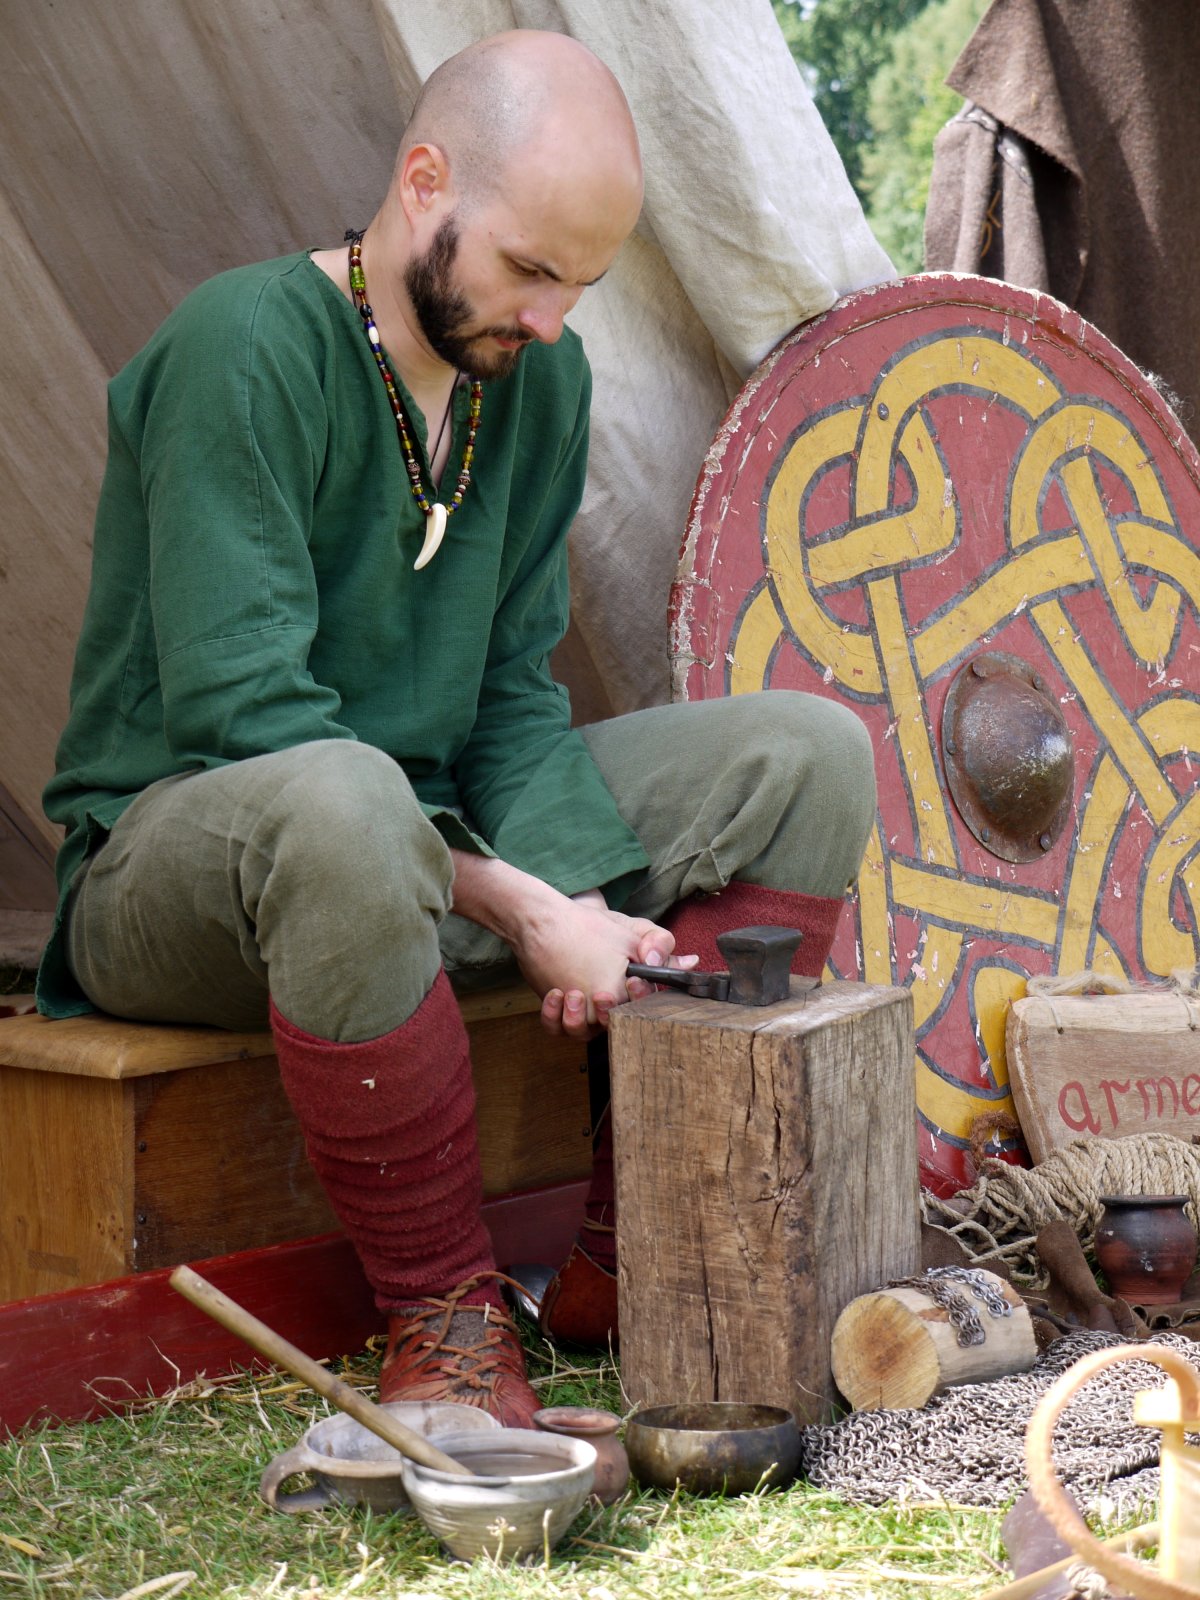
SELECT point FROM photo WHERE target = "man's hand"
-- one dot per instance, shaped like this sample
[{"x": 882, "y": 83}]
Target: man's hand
[
  {"x": 590, "y": 942},
  {"x": 572, "y": 951}
]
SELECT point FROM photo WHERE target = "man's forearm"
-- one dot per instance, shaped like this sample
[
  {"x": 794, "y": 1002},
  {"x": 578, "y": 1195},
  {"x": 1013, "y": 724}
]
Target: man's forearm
[
  {"x": 572, "y": 950},
  {"x": 497, "y": 896}
]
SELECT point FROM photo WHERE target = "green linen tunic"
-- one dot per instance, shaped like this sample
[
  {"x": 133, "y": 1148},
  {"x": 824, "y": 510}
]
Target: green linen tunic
[{"x": 253, "y": 586}]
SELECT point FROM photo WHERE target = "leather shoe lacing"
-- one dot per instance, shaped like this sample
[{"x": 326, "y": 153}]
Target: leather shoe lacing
[{"x": 444, "y": 1350}]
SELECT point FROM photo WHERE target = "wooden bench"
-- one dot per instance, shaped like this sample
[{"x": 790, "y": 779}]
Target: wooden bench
[{"x": 126, "y": 1147}]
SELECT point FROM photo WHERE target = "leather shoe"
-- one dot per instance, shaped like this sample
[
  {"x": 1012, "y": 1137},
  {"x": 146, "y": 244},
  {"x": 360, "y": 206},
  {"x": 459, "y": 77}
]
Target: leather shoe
[
  {"x": 443, "y": 1350},
  {"x": 580, "y": 1302}
]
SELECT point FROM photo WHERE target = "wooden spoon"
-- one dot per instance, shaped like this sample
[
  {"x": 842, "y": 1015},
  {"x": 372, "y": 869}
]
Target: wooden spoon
[{"x": 277, "y": 1349}]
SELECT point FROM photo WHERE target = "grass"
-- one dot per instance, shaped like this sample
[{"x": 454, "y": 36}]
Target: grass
[{"x": 162, "y": 1500}]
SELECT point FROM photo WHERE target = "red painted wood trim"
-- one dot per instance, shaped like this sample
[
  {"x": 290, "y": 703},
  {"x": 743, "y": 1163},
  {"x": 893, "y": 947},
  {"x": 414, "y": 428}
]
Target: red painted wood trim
[{"x": 87, "y": 1351}]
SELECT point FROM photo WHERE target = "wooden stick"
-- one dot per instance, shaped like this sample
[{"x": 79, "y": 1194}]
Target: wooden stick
[
  {"x": 1135, "y": 1539},
  {"x": 276, "y": 1348}
]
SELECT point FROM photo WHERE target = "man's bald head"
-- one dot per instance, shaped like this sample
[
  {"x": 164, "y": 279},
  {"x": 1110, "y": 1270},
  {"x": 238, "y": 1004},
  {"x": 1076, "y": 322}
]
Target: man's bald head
[
  {"x": 539, "y": 101},
  {"x": 518, "y": 180}
]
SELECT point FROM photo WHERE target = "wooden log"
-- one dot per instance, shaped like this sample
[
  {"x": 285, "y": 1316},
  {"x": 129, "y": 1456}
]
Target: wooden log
[
  {"x": 896, "y": 1348},
  {"x": 1104, "y": 1066},
  {"x": 766, "y": 1173}
]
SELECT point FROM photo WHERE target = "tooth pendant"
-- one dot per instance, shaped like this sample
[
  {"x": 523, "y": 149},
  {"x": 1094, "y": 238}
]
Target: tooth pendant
[{"x": 435, "y": 529}]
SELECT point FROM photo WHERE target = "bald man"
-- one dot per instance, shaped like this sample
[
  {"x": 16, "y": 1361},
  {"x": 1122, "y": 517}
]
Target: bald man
[{"x": 312, "y": 713}]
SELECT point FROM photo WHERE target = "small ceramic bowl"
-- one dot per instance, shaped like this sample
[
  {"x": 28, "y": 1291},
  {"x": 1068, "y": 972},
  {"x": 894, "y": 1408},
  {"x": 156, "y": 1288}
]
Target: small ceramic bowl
[
  {"x": 529, "y": 1489},
  {"x": 354, "y": 1466},
  {"x": 713, "y": 1447}
]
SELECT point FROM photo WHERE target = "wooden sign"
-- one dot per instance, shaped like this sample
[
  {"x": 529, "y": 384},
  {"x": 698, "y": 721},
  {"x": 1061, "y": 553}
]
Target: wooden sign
[
  {"x": 766, "y": 1174},
  {"x": 938, "y": 468},
  {"x": 1104, "y": 1066}
]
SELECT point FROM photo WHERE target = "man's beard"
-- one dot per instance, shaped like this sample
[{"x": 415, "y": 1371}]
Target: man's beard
[{"x": 443, "y": 312}]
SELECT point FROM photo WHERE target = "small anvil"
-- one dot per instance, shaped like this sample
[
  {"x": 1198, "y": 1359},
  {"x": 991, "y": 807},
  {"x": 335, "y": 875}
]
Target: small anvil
[{"x": 760, "y": 964}]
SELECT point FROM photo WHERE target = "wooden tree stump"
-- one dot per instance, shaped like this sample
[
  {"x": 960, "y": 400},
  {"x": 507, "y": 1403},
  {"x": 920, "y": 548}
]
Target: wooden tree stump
[
  {"x": 766, "y": 1174},
  {"x": 896, "y": 1348}
]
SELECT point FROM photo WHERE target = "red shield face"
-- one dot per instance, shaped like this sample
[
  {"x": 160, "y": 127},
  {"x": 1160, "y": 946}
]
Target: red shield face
[{"x": 941, "y": 470}]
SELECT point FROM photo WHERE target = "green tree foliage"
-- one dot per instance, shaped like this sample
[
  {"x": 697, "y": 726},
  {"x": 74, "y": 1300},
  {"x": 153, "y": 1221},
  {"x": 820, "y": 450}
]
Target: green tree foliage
[
  {"x": 841, "y": 45},
  {"x": 875, "y": 69},
  {"x": 908, "y": 102}
]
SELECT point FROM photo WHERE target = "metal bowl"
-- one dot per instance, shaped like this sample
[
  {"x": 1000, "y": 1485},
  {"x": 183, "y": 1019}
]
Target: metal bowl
[{"x": 713, "y": 1447}]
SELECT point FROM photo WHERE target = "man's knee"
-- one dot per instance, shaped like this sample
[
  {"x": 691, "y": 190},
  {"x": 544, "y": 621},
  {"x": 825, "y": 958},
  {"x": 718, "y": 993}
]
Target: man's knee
[
  {"x": 856, "y": 772},
  {"x": 838, "y": 746},
  {"x": 345, "y": 816},
  {"x": 832, "y": 753},
  {"x": 813, "y": 766},
  {"x": 801, "y": 737}
]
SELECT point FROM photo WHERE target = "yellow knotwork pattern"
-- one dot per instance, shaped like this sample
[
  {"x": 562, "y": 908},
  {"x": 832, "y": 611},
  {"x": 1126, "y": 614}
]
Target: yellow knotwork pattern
[{"x": 891, "y": 656}]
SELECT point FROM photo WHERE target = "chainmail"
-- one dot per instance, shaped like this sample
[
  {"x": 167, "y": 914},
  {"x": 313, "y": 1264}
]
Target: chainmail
[
  {"x": 967, "y": 1446},
  {"x": 937, "y": 1284}
]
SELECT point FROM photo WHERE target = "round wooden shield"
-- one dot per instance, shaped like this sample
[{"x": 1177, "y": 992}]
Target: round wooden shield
[{"x": 939, "y": 470}]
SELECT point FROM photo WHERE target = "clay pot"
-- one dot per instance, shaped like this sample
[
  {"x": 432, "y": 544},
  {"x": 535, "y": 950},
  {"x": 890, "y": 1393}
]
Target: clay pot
[
  {"x": 599, "y": 1428},
  {"x": 1146, "y": 1247}
]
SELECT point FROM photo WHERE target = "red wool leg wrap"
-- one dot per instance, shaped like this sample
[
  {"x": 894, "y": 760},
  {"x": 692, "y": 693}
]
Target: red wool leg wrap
[
  {"x": 389, "y": 1125},
  {"x": 695, "y": 924},
  {"x": 599, "y": 1240}
]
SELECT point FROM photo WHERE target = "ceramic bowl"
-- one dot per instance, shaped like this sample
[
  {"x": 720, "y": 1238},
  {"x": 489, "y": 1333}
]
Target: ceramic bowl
[
  {"x": 713, "y": 1447},
  {"x": 529, "y": 1489},
  {"x": 354, "y": 1466}
]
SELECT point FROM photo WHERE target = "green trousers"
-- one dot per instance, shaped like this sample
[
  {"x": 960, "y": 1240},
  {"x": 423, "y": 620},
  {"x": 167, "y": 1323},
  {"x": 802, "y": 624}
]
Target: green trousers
[{"x": 312, "y": 876}]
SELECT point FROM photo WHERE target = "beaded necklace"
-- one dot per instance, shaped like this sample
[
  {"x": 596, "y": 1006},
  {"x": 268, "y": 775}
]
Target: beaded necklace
[{"x": 436, "y": 514}]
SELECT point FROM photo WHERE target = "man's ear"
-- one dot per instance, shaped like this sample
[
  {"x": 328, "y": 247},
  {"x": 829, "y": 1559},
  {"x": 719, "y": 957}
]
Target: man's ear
[{"x": 422, "y": 178}]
